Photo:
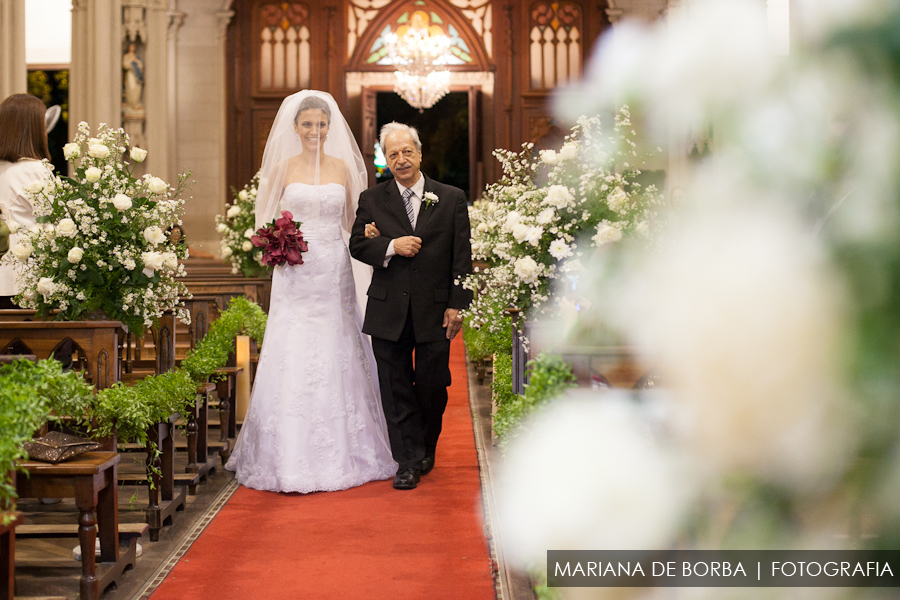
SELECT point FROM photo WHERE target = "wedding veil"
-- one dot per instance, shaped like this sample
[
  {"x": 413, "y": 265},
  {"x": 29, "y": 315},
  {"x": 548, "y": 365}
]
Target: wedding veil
[{"x": 284, "y": 144}]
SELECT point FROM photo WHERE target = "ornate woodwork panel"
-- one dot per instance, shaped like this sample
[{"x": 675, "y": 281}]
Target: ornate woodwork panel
[
  {"x": 555, "y": 44},
  {"x": 274, "y": 48},
  {"x": 282, "y": 49}
]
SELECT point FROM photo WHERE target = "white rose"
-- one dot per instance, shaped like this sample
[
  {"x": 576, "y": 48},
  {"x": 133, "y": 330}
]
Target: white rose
[
  {"x": 92, "y": 174},
  {"x": 482, "y": 227},
  {"x": 512, "y": 218},
  {"x": 45, "y": 286},
  {"x": 138, "y": 154},
  {"x": 71, "y": 150},
  {"x": 66, "y": 228},
  {"x": 520, "y": 232},
  {"x": 558, "y": 196},
  {"x": 559, "y": 249},
  {"x": 568, "y": 151},
  {"x": 35, "y": 187},
  {"x": 526, "y": 269},
  {"x": 243, "y": 196},
  {"x": 122, "y": 202},
  {"x": 233, "y": 212},
  {"x": 93, "y": 141},
  {"x": 548, "y": 157},
  {"x": 22, "y": 251},
  {"x": 152, "y": 260},
  {"x": 13, "y": 226},
  {"x": 546, "y": 216},
  {"x": 249, "y": 233},
  {"x": 75, "y": 255},
  {"x": 157, "y": 185},
  {"x": 617, "y": 200},
  {"x": 170, "y": 260},
  {"x": 606, "y": 234},
  {"x": 247, "y": 246},
  {"x": 221, "y": 227},
  {"x": 154, "y": 235},
  {"x": 28, "y": 294},
  {"x": 35, "y": 229},
  {"x": 226, "y": 252},
  {"x": 98, "y": 151}
]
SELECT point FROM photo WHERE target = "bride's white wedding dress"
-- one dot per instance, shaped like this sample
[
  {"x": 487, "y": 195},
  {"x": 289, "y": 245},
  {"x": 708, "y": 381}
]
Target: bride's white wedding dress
[{"x": 315, "y": 421}]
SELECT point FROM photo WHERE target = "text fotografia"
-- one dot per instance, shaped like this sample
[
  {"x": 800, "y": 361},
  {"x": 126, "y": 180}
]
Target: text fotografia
[{"x": 723, "y": 568}]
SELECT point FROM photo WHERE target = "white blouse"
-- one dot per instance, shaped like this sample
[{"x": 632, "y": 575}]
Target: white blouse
[{"x": 15, "y": 207}]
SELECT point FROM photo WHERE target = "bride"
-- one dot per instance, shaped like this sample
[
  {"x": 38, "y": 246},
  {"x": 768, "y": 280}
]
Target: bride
[{"x": 315, "y": 421}]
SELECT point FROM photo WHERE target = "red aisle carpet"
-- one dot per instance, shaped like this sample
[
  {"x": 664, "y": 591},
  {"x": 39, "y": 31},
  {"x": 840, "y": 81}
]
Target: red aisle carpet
[{"x": 368, "y": 542}]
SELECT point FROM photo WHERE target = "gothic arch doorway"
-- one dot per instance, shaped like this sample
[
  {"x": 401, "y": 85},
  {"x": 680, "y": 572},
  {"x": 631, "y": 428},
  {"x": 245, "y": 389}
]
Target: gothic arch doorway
[{"x": 371, "y": 73}]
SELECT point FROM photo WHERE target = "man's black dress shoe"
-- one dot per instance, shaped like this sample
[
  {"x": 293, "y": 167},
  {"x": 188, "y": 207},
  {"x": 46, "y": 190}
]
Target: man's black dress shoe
[
  {"x": 406, "y": 479},
  {"x": 427, "y": 464}
]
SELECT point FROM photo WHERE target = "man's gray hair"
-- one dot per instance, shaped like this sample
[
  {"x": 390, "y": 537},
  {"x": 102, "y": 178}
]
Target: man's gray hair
[{"x": 395, "y": 126}]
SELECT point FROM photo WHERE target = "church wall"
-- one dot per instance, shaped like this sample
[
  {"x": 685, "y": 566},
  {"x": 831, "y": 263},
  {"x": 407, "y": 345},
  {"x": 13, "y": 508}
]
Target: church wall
[{"x": 200, "y": 107}]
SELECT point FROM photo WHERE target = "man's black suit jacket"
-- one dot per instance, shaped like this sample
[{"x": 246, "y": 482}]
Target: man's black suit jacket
[{"x": 425, "y": 282}]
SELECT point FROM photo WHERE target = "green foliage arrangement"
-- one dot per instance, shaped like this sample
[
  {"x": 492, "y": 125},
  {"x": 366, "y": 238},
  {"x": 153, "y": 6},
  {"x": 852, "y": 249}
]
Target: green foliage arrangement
[
  {"x": 550, "y": 377},
  {"x": 30, "y": 394},
  {"x": 131, "y": 410}
]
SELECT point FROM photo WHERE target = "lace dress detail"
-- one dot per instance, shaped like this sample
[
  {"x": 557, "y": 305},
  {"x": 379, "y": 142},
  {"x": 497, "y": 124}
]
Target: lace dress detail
[{"x": 315, "y": 421}]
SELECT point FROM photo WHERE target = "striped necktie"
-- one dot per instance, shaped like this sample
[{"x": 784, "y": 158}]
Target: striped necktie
[{"x": 407, "y": 194}]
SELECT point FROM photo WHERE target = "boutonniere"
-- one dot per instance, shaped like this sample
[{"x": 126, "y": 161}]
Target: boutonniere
[{"x": 430, "y": 198}]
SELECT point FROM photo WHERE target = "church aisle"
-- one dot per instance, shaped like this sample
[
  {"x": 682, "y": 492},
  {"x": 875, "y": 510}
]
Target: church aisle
[{"x": 368, "y": 542}]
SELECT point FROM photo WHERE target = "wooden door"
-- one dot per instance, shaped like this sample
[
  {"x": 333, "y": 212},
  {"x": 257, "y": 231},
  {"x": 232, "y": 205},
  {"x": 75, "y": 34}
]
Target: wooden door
[{"x": 369, "y": 130}]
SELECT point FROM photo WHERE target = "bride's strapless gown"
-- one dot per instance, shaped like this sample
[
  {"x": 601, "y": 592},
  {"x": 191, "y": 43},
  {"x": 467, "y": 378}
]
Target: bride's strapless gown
[{"x": 315, "y": 421}]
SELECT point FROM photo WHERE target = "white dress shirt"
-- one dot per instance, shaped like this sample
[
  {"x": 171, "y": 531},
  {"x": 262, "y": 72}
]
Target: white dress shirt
[
  {"x": 418, "y": 189},
  {"x": 14, "y": 206}
]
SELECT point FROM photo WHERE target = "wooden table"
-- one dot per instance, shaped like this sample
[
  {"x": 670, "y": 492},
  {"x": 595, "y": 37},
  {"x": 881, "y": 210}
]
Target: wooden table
[{"x": 91, "y": 479}]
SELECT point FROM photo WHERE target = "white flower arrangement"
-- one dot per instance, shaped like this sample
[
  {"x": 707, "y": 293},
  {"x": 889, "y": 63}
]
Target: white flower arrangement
[
  {"x": 236, "y": 226},
  {"x": 95, "y": 236},
  {"x": 551, "y": 207}
]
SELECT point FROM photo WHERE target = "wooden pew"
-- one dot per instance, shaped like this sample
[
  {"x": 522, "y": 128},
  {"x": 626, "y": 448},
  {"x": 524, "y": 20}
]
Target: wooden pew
[
  {"x": 100, "y": 343},
  {"x": 225, "y": 288}
]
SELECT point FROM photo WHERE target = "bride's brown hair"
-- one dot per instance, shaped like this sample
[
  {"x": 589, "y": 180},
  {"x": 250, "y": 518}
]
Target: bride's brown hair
[{"x": 311, "y": 102}]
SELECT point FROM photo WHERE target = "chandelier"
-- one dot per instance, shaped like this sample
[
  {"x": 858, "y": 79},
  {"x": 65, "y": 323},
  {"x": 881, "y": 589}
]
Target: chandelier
[{"x": 419, "y": 55}]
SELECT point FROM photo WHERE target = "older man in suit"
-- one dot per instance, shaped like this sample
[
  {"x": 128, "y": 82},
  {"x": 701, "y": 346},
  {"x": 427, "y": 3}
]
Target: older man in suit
[{"x": 415, "y": 232}]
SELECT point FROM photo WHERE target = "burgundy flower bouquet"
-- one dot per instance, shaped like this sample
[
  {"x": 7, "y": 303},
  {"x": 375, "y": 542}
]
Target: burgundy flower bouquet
[{"x": 281, "y": 241}]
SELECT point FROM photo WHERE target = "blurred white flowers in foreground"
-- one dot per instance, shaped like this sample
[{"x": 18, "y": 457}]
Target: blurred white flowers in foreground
[
  {"x": 770, "y": 309},
  {"x": 742, "y": 316},
  {"x": 605, "y": 482}
]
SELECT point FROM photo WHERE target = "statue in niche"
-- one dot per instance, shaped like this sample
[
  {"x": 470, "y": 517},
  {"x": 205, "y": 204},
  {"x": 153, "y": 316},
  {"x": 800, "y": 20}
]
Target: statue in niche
[{"x": 134, "y": 83}]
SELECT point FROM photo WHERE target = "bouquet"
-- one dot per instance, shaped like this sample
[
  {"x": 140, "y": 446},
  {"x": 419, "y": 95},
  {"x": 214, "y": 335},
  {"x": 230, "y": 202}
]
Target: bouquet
[
  {"x": 281, "y": 241},
  {"x": 100, "y": 242},
  {"x": 236, "y": 228}
]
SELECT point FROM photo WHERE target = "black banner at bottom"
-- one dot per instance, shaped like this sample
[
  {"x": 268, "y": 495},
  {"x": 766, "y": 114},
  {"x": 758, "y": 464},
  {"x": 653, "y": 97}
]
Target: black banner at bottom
[{"x": 723, "y": 568}]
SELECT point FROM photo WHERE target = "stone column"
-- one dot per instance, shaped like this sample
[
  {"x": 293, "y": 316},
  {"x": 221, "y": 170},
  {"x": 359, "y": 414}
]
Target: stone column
[
  {"x": 13, "y": 73},
  {"x": 156, "y": 92},
  {"x": 95, "y": 92},
  {"x": 176, "y": 20},
  {"x": 201, "y": 105}
]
